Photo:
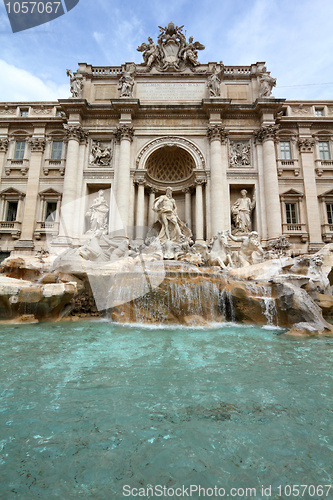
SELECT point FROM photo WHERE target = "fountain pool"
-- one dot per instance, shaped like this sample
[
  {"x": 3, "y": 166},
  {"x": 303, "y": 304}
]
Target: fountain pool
[{"x": 89, "y": 407}]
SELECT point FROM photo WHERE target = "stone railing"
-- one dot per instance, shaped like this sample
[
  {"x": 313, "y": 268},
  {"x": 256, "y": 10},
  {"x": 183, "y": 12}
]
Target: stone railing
[
  {"x": 288, "y": 165},
  {"x": 327, "y": 232},
  {"x": 106, "y": 71},
  {"x": 45, "y": 227},
  {"x": 11, "y": 227},
  {"x": 296, "y": 229},
  {"x": 237, "y": 70},
  {"x": 54, "y": 165},
  {"x": 15, "y": 164}
]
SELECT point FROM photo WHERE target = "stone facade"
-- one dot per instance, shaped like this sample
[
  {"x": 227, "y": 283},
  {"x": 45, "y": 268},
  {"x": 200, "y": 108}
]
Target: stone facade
[{"x": 208, "y": 131}]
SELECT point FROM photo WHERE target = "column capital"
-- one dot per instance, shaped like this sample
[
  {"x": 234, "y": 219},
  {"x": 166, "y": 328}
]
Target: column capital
[
  {"x": 140, "y": 182},
  {"x": 217, "y": 132},
  {"x": 76, "y": 132},
  {"x": 37, "y": 144},
  {"x": 306, "y": 144},
  {"x": 4, "y": 143},
  {"x": 153, "y": 190},
  {"x": 124, "y": 132},
  {"x": 267, "y": 132},
  {"x": 200, "y": 181}
]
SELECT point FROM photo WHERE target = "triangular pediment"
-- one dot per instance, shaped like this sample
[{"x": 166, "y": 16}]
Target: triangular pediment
[
  {"x": 292, "y": 192},
  {"x": 11, "y": 192},
  {"x": 49, "y": 192},
  {"x": 327, "y": 194}
]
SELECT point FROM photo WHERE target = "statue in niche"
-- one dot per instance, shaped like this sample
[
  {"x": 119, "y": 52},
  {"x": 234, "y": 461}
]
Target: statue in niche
[
  {"x": 214, "y": 81},
  {"x": 241, "y": 213},
  {"x": 98, "y": 214},
  {"x": 76, "y": 83},
  {"x": 251, "y": 251},
  {"x": 126, "y": 84},
  {"x": 172, "y": 228},
  {"x": 100, "y": 155},
  {"x": 266, "y": 84},
  {"x": 239, "y": 155}
]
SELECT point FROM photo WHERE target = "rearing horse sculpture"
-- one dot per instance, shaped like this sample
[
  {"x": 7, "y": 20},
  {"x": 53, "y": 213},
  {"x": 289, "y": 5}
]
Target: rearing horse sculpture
[{"x": 219, "y": 253}]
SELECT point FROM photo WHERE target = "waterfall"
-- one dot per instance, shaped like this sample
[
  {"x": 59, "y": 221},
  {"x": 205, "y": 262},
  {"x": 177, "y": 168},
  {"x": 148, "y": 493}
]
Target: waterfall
[
  {"x": 264, "y": 293},
  {"x": 227, "y": 305}
]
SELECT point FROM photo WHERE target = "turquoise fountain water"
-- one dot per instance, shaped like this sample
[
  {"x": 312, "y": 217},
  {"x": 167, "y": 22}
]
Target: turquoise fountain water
[{"x": 88, "y": 408}]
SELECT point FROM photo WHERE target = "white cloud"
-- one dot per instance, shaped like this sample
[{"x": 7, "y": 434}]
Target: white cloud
[{"x": 20, "y": 85}]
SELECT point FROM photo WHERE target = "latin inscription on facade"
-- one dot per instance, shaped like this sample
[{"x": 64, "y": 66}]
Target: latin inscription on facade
[{"x": 158, "y": 91}]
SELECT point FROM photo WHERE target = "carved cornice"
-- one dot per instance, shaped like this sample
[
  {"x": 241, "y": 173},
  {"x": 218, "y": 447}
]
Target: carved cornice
[
  {"x": 124, "y": 132},
  {"x": 266, "y": 133},
  {"x": 37, "y": 144},
  {"x": 217, "y": 133},
  {"x": 75, "y": 132},
  {"x": 4, "y": 143},
  {"x": 306, "y": 145}
]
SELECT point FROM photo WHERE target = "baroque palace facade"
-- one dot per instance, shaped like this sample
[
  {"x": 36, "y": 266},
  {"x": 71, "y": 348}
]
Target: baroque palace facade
[{"x": 208, "y": 131}]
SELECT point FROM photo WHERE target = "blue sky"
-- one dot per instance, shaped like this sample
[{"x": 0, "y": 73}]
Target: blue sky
[{"x": 294, "y": 37}]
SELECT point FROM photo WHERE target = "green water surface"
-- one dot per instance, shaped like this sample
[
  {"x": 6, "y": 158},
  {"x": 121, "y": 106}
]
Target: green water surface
[{"x": 87, "y": 408}]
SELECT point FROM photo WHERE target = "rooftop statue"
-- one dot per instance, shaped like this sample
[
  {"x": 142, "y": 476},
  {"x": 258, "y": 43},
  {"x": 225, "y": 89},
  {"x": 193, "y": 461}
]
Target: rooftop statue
[
  {"x": 76, "y": 83},
  {"x": 172, "y": 51},
  {"x": 266, "y": 83},
  {"x": 126, "y": 84},
  {"x": 214, "y": 81}
]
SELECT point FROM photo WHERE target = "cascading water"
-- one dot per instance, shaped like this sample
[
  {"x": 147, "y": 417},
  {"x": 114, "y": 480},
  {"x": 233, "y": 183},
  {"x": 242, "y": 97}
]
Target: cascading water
[
  {"x": 227, "y": 305},
  {"x": 264, "y": 293}
]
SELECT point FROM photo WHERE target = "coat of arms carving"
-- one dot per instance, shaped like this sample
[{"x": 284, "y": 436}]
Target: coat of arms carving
[{"x": 172, "y": 51}]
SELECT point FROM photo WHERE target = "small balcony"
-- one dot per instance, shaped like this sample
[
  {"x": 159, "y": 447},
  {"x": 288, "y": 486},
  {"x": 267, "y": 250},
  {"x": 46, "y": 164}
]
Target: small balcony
[
  {"x": 14, "y": 165},
  {"x": 46, "y": 227},
  {"x": 13, "y": 228},
  {"x": 323, "y": 166},
  {"x": 55, "y": 166},
  {"x": 296, "y": 230},
  {"x": 327, "y": 232},
  {"x": 289, "y": 166}
]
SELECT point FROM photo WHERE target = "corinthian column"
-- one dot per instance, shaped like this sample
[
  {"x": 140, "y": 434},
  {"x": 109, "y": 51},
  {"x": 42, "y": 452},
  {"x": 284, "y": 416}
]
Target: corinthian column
[
  {"x": 266, "y": 135},
  {"x": 312, "y": 208},
  {"x": 124, "y": 135},
  {"x": 140, "y": 210},
  {"x": 188, "y": 218},
  {"x": 199, "y": 216},
  {"x": 218, "y": 171},
  {"x": 151, "y": 213},
  {"x": 75, "y": 135},
  {"x": 37, "y": 145}
]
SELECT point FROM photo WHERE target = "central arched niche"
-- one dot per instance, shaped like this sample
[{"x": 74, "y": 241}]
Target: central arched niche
[{"x": 170, "y": 165}]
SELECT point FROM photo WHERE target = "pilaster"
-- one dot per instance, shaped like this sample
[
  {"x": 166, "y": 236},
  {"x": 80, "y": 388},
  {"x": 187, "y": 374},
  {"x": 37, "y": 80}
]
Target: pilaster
[{"x": 306, "y": 145}]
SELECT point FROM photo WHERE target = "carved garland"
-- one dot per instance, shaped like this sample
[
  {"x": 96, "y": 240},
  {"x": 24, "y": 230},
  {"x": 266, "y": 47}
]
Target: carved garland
[{"x": 171, "y": 141}]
